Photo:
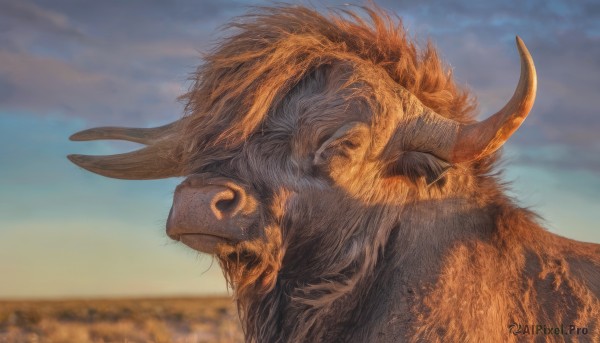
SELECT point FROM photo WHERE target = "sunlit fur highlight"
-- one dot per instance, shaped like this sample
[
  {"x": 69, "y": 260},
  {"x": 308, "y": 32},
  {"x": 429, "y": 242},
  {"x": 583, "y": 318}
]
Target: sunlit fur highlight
[
  {"x": 271, "y": 49},
  {"x": 373, "y": 240}
]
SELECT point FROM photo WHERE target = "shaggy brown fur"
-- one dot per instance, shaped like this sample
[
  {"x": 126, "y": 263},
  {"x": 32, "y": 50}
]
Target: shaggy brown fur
[{"x": 363, "y": 236}]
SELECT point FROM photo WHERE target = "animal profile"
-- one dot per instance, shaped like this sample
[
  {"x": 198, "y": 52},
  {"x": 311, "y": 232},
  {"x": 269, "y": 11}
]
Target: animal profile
[{"x": 338, "y": 174}]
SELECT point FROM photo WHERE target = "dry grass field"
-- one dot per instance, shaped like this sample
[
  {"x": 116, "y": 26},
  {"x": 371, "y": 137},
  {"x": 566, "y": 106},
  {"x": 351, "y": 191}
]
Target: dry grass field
[{"x": 120, "y": 320}]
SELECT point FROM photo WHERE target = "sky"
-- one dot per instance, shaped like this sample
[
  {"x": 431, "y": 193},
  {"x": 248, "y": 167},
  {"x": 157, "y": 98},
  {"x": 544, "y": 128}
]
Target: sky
[{"x": 70, "y": 65}]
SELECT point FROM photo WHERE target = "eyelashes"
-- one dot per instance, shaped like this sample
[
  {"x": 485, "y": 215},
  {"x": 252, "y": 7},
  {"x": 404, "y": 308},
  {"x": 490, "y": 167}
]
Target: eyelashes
[{"x": 416, "y": 165}]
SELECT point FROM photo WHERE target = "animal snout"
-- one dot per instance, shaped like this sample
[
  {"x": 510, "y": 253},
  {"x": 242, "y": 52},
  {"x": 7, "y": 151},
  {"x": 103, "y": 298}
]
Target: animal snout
[{"x": 220, "y": 209}]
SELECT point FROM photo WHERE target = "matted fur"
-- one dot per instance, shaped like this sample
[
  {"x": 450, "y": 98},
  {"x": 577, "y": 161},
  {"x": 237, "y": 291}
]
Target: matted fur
[{"x": 367, "y": 238}]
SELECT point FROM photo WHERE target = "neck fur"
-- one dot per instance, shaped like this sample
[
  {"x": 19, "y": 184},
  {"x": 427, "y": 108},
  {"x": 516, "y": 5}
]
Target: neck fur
[{"x": 327, "y": 291}]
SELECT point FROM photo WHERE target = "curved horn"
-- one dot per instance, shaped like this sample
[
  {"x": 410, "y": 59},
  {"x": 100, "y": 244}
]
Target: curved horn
[
  {"x": 153, "y": 162},
  {"x": 138, "y": 135},
  {"x": 483, "y": 138},
  {"x": 160, "y": 159}
]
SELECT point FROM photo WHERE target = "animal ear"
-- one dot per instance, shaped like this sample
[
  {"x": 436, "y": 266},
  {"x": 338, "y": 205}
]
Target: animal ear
[
  {"x": 416, "y": 165},
  {"x": 346, "y": 142}
]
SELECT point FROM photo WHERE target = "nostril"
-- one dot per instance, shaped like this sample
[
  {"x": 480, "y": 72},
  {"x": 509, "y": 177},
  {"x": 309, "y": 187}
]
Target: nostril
[{"x": 226, "y": 203}]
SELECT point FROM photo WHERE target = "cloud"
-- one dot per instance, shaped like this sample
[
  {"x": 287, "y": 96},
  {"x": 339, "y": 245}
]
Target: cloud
[
  {"x": 109, "y": 63},
  {"x": 114, "y": 62},
  {"x": 46, "y": 85},
  {"x": 25, "y": 13}
]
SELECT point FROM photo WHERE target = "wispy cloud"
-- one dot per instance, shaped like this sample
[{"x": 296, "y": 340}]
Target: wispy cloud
[
  {"x": 45, "y": 85},
  {"x": 106, "y": 63},
  {"x": 126, "y": 62},
  {"x": 25, "y": 13}
]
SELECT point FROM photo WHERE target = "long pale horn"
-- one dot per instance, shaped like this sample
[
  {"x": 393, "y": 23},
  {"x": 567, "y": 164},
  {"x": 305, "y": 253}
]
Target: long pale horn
[
  {"x": 483, "y": 138},
  {"x": 156, "y": 161},
  {"x": 139, "y": 135}
]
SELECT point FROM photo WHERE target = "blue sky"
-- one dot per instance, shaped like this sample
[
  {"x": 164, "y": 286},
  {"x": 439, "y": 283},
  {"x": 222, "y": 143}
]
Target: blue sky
[{"x": 70, "y": 65}]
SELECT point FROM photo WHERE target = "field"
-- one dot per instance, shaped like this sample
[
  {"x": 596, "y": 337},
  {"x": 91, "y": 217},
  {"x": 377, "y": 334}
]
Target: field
[{"x": 120, "y": 320}]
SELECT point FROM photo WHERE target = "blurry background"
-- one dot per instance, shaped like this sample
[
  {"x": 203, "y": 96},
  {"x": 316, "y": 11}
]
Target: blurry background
[{"x": 70, "y": 65}]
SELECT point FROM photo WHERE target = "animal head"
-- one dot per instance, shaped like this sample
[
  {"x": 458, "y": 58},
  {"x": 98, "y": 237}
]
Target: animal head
[{"x": 305, "y": 139}]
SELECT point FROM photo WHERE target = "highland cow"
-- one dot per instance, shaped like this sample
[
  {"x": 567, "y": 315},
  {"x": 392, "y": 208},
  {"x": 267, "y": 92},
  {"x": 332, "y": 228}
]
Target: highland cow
[{"x": 339, "y": 176}]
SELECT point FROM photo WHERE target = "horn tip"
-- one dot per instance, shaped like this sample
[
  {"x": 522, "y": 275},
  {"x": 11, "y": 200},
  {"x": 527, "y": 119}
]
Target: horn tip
[
  {"x": 76, "y": 158},
  {"x": 521, "y": 46},
  {"x": 520, "y": 43},
  {"x": 85, "y": 135},
  {"x": 83, "y": 161},
  {"x": 78, "y": 136}
]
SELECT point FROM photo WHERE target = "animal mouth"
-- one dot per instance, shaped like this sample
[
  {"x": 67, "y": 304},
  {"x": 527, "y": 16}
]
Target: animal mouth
[{"x": 202, "y": 242}]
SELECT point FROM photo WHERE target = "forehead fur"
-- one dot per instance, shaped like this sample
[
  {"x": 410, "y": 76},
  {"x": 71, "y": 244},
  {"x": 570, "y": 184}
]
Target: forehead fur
[{"x": 270, "y": 50}]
